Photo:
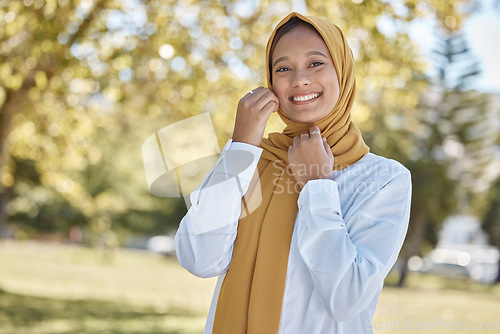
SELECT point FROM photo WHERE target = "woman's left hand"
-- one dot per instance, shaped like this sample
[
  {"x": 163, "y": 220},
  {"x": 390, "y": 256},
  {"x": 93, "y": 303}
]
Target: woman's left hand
[{"x": 310, "y": 157}]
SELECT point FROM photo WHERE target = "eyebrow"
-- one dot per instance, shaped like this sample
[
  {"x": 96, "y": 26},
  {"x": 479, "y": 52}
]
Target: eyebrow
[{"x": 310, "y": 53}]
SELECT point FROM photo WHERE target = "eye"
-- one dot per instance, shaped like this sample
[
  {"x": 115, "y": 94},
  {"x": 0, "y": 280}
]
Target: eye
[
  {"x": 282, "y": 69},
  {"x": 316, "y": 63}
]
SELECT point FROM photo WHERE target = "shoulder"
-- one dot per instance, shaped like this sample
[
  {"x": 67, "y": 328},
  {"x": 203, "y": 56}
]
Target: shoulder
[
  {"x": 372, "y": 173},
  {"x": 376, "y": 165},
  {"x": 376, "y": 186}
]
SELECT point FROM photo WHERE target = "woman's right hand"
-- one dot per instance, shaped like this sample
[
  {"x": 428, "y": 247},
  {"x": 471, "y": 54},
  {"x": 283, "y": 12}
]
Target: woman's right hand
[{"x": 252, "y": 115}]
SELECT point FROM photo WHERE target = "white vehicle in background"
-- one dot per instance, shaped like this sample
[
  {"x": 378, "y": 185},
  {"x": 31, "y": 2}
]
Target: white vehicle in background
[
  {"x": 162, "y": 244},
  {"x": 478, "y": 262},
  {"x": 462, "y": 251}
]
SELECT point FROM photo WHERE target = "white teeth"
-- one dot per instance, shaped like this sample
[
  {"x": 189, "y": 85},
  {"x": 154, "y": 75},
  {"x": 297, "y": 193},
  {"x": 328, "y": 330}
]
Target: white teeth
[{"x": 306, "y": 98}]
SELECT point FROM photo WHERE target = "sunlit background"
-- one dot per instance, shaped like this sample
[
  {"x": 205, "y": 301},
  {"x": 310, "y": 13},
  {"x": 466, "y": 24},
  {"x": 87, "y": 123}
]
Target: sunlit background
[{"x": 86, "y": 248}]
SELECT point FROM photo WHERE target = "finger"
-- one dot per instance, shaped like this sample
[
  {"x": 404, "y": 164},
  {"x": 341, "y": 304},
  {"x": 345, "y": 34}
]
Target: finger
[
  {"x": 265, "y": 97},
  {"x": 328, "y": 150},
  {"x": 304, "y": 135},
  {"x": 271, "y": 107},
  {"x": 295, "y": 140},
  {"x": 315, "y": 132},
  {"x": 252, "y": 93},
  {"x": 259, "y": 92},
  {"x": 255, "y": 96}
]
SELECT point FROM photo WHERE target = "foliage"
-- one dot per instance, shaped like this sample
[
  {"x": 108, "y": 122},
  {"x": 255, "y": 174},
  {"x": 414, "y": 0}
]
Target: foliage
[
  {"x": 453, "y": 145},
  {"x": 84, "y": 82}
]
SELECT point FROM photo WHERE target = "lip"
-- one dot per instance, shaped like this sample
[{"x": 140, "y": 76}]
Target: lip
[{"x": 305, "y": 94}]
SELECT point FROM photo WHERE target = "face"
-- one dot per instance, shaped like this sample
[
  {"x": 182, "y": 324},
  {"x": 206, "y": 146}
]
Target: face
[{"x": 304, "y": 76}]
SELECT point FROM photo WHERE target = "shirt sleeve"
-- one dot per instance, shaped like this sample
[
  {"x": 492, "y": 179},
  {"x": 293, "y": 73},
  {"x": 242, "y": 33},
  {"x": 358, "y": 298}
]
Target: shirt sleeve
[
  {"x": 205, "y": 237},
  {"x": 348, "y": 259}
]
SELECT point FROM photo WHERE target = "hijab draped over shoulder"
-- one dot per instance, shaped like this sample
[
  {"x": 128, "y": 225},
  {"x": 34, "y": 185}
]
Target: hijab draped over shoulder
[{"x": 251, "y": 294}]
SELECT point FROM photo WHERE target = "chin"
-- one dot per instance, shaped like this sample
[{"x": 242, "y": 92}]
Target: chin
[
  {"x": 304, "y": 120},
  {"x": 305, "y": 117}
]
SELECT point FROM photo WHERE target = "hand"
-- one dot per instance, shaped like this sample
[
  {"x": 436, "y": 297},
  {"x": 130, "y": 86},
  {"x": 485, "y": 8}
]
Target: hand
[
  {"x": 310, "y": 157},
  {"x": 252, "y": 115}
]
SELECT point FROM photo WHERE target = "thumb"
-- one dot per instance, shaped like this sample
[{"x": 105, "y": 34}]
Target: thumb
[{"x": 328, "y": 150}]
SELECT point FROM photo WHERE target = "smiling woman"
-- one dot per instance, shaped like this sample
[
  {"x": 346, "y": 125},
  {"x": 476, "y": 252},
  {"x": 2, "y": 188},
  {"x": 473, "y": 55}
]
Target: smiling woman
[{"x": 304, "y": 238}]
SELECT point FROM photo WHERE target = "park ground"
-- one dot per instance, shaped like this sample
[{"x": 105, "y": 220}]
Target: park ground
[{"x": 52, "y": 288}]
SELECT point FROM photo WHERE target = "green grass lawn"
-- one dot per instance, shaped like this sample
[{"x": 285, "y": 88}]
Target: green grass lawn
[
  {"x": 59, "y": 289},
  {"x": 46, "y": 288},
  {"x": 436, "y": 305}
]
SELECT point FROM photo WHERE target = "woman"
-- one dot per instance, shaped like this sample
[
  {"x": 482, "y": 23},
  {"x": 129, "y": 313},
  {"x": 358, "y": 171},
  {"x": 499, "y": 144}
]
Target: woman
[{"x": 304, "y": 245}]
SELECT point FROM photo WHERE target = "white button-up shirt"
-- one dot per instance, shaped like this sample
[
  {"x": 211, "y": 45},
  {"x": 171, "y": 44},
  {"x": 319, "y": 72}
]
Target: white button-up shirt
[{"x": 348, "y": 233}]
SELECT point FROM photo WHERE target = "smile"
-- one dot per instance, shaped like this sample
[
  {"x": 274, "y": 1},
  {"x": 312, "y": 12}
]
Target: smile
[{"x": 305, "y": 98}]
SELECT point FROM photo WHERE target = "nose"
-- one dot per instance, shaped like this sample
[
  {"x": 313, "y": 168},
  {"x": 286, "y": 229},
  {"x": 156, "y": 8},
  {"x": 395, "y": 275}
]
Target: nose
[{"x": 300, "y": 78}]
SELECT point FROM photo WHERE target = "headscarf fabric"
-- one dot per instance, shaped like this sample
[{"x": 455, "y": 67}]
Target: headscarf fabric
[{"x": 251, "y": 294}]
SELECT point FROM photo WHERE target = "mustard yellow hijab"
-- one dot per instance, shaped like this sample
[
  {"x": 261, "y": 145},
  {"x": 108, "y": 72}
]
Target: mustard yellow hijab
[{"x": 251, "y": 294}]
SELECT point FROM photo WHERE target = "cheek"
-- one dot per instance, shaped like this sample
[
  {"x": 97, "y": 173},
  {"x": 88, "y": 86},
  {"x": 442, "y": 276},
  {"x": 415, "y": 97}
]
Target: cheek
[
  {"x": 335, "y": 89},
  {"x": 333, "y": 86},
  {"x": 279, "y": 90}
]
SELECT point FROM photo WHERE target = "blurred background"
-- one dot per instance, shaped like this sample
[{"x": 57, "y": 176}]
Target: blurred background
[{"x": 86, "y": 248}]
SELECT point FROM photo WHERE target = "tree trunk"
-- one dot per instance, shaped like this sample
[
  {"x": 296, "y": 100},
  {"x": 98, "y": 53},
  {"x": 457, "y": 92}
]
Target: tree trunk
[
  {"x": 7, "y": 111},
  {"x": 7, "y": 195},
  {"x": 495, "y": 231},
  {"x": 417, "y": 228}
]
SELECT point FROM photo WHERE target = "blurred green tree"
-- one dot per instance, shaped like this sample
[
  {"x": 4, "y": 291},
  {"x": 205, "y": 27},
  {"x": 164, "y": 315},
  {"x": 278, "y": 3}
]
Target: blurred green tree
[
  {"x": 453, "y": 142},
  {"x": 65, "y": 68},
  {"x": 84, "y": 82}
]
